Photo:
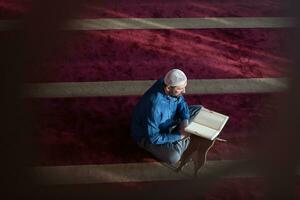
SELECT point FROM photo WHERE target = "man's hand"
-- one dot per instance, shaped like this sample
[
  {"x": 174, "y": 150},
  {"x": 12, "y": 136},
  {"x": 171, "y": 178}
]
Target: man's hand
[
  {"x": 182, "y": 126},
  {"x": 183, "y": 134}
]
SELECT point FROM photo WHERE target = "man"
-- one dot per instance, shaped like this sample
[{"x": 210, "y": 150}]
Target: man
[{"x": 160, "y": 117}]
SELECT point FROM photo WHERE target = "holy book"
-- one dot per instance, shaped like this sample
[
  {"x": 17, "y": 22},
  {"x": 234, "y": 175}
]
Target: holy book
[{"x": 207, "y": 124}]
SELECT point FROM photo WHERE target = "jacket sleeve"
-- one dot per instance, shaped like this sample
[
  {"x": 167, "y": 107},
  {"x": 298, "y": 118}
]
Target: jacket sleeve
[
  {"x": 154, "y": 133},
  {"x": 183, "y": 110}
]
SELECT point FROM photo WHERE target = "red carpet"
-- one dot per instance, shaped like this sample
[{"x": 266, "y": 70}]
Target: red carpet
[
  {"x": 74, "y": 131},
  {"x": 226, "y": 189},
  {"x": 147, "y": 54},
  {"x": 96, "y": 130},
  {"x": 146, "y": 8},
  {"x": 189, "y": 8}
]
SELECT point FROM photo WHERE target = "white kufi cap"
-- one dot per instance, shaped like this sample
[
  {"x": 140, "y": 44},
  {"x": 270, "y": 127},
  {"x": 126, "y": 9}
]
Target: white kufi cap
[{"x": 175, "y": 77}]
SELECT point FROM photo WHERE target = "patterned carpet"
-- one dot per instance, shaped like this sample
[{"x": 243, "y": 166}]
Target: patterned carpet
[{"x": 95, "y": 130}]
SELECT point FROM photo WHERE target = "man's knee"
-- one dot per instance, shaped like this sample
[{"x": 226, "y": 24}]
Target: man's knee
[{"x": 173, "y": 157}]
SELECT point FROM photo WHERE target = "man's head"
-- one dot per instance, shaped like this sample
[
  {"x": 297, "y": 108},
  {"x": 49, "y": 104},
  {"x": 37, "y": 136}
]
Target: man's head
[{"x": 175, "y": 82}]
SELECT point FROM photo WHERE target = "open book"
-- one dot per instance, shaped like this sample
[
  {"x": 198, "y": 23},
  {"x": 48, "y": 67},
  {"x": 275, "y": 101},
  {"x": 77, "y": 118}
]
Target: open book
[{"x": 207, "y": 124}]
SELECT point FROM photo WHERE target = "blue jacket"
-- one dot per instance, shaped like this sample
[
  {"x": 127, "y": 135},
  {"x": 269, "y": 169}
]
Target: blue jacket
[{"x": 156, "y": 113}]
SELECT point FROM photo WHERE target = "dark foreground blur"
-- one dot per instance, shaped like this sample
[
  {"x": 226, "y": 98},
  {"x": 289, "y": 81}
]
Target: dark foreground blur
[{"x": 23, "y": 48}]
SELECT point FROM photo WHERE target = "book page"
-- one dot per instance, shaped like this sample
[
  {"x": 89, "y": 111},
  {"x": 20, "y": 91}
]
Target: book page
[
  {"x": 210, "y": 119},
  {"x": 202, "y": 131}
]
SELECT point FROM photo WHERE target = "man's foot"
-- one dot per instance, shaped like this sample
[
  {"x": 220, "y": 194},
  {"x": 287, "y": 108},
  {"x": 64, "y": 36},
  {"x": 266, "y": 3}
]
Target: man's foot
[
  {"x": 183, "y": 164},
  {"x": 171, "y": 166}
]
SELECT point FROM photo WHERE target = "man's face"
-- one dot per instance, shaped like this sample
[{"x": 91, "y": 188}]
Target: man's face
[{"x": 177, "y": 90}]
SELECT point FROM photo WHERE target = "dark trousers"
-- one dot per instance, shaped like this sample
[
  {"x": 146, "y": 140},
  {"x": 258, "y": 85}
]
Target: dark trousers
[{"x": 171, "y": 152}]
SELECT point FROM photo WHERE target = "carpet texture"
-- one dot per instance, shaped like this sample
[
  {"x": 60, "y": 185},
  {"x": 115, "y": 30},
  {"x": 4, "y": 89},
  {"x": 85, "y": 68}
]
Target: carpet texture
[
  {"x": 97, "y": 130},
  {"x": 148, "y": 54},
  {"x": 12, "y": 9},
  {"x": 75, "y": 131}
]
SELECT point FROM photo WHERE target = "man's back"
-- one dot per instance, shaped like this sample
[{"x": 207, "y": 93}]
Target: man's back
[{"x": 155, "y": 113}]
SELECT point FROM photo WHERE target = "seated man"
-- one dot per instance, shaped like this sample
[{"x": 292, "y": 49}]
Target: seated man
[{"x": 160, "y": 117}]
